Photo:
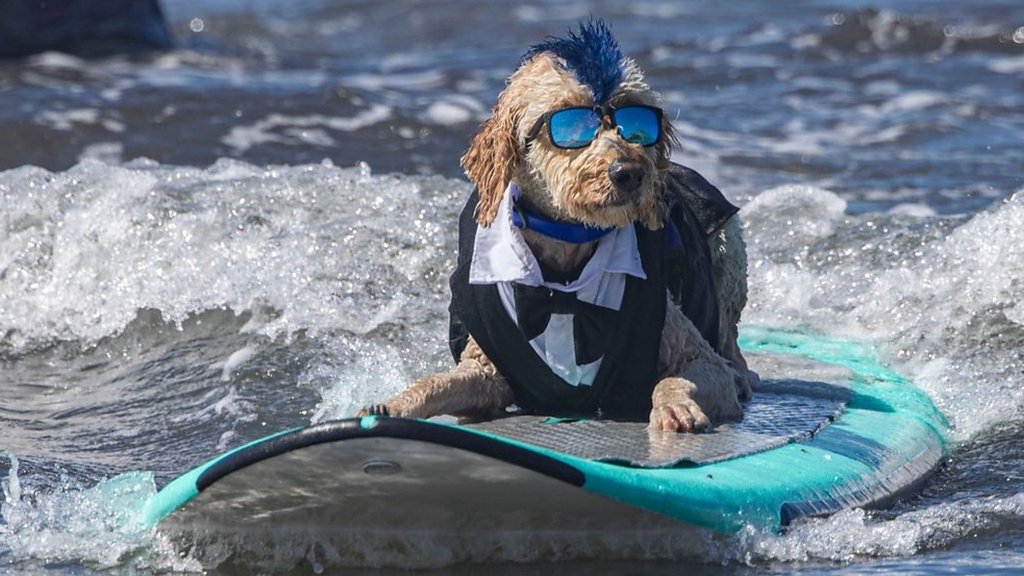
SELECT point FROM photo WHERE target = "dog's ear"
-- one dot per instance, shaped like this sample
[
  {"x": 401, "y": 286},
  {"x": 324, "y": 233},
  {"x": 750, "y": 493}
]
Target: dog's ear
[{"x": 493, "y": 155}]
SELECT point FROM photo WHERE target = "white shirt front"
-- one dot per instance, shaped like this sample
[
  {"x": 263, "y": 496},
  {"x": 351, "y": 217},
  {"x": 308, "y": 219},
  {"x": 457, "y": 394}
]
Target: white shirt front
[{"x": 501, "y": 257}]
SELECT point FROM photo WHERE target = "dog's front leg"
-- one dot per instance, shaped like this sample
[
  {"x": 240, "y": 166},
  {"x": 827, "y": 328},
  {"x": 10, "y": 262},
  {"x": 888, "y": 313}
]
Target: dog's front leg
[
  {"x": 729, "y": 265},
  {"x": 696, "y": 384},
  {"x": 473, "y": 389}
]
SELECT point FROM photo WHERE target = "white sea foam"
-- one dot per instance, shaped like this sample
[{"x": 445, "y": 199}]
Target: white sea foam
[
  {"x": 67, "y": 119},
  {"x": 58, "y": 60},
  {"x": 800, "y": 215},
  {"x": 324, "y": 248},
  {"x": 945, "y": 308},
  {"x": 453, "y": 110},
  {"x": 309, "y": 129},
  {"x": 106, "y": 152},
  {"x": 739, "y": 60},
  {"x": 99, "y": 524},
  {"x": 564, "y": 12},
  {"x": 377, "y": 373},
  {"x": 236, "y": 359},
  {"x": 1008, "y": 65},
  {"x": 371, "y": 82},
  {"x": 912, "y": 100},
  {"x": 853, "y": 535}
]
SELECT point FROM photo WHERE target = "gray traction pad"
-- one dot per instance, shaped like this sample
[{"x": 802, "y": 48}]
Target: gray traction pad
[{"x": 780, "y": 412}]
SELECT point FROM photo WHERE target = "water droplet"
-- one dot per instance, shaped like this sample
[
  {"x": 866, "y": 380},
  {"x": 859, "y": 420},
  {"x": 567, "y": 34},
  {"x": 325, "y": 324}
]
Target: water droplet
[{"x": 197, "y": 25}]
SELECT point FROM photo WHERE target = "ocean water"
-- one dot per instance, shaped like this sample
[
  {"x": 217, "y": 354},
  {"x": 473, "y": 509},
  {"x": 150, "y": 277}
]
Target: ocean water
[{"x": 254, "y": 231}]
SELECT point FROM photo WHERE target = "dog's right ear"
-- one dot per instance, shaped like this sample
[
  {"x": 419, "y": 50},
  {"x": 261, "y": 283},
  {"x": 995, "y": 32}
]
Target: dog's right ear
[{"x": 493, "y": 155}]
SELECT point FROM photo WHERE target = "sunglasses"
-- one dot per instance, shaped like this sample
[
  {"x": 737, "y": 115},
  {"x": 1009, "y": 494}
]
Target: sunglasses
[{"x": 577, "y": 126}]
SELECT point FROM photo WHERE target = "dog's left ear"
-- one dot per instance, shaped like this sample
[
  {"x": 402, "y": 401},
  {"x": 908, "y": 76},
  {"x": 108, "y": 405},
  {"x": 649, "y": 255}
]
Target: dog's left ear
[{"x": 492, "y": 157}]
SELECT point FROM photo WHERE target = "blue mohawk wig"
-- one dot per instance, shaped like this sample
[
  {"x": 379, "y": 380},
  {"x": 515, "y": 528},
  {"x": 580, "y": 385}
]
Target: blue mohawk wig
[{"x": 591, "y": 53}]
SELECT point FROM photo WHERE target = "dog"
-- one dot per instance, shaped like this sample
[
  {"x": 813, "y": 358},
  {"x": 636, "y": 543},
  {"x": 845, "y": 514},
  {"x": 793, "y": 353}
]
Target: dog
[{"x": 594, "y": 277}]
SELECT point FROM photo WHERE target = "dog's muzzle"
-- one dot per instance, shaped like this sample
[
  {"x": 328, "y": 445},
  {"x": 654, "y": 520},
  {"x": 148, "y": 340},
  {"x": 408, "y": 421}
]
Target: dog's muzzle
[{"x": 627, "y": 176}]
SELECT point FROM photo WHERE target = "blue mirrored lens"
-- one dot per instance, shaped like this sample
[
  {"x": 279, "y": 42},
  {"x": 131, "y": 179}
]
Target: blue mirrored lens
[
  {"x": 573, "y": 127},
  {"x": 638, "y": 125}
]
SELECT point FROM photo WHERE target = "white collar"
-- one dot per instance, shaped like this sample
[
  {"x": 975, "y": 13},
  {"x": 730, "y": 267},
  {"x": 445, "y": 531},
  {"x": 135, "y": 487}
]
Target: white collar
[{"x": 500, "y": 253}]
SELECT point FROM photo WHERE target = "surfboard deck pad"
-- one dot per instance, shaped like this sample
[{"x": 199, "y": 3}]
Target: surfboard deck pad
[{"x": 780, "y": 412}]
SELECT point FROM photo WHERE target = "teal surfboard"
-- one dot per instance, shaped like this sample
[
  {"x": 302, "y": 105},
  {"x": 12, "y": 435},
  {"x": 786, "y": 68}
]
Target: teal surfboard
[{"x": 828, "y": 428}]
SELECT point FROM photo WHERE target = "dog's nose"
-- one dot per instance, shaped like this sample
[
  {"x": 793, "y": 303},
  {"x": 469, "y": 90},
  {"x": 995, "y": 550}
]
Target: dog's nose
[{"x": 626, "y": 176}]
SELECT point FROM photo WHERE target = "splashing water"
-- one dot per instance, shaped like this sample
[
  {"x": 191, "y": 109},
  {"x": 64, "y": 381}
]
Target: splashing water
[
  {"x": 941, "y": 295},
  {"x": 325, "y": 249},
  {"x": 100, "y": 523}
]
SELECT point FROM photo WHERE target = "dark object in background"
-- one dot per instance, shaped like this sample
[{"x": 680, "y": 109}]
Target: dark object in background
[{"x": 83, "y": 27}]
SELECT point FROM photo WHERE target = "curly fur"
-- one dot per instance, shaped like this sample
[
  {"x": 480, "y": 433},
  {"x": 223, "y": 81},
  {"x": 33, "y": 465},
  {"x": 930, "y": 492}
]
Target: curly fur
[{"x": 696, "y": 386}]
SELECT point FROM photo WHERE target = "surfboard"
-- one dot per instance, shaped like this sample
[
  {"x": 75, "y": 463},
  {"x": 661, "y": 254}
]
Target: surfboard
[{"x": 828, "y": 428}]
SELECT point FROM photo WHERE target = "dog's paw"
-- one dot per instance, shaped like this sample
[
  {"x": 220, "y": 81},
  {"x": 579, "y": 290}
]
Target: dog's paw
[
  {"x": 374, "y": 410},
  {"x": 478, "y": 415},
  {"x": 684, "y": 416}
]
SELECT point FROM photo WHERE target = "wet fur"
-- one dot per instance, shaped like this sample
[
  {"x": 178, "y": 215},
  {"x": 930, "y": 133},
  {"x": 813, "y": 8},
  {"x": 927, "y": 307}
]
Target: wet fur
[{"x": 696, "y": 386}]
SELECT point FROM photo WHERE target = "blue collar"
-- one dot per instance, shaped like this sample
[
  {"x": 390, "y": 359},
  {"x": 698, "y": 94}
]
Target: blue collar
[{"x": 564, "y": 231}]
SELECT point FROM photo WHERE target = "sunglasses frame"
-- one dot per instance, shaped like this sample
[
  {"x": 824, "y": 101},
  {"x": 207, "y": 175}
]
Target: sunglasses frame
[{"x": 603, "y": 111}]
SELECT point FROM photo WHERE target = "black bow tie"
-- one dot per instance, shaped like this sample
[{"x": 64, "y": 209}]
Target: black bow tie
[{"x": 593, "y": 326}]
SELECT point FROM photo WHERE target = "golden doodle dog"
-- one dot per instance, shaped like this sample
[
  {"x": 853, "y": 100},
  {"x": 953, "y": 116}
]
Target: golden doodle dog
[{"x": 595, "y": 278}]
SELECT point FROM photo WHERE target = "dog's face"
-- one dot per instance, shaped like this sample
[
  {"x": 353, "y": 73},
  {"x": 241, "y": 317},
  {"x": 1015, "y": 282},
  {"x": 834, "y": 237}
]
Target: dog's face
[{"x": 608, "y": 182}]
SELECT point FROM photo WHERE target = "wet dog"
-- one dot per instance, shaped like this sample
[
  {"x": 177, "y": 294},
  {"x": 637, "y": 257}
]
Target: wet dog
[{"x": 594, "y": 277}]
